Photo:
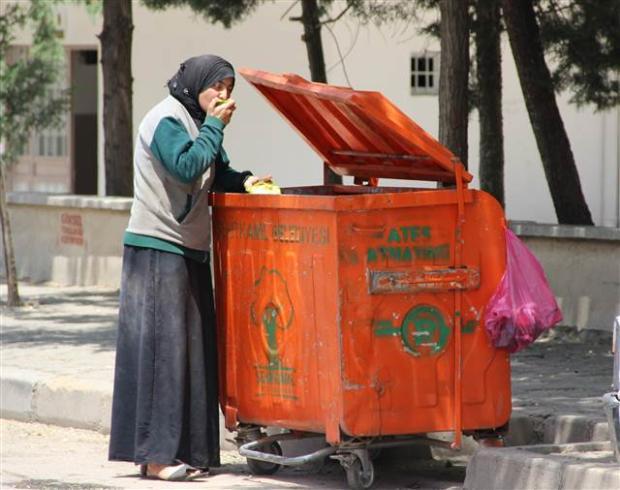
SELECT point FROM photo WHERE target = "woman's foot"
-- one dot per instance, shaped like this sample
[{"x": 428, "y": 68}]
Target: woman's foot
[{"x": 179, "y": 472}]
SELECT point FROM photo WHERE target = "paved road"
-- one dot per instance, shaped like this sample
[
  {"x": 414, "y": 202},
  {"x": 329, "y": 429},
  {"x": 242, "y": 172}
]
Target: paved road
[{"x": 50, "y": 457}]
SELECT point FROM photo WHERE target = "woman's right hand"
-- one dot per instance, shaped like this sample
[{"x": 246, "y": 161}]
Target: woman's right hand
[{"x": 222, "y": 110}]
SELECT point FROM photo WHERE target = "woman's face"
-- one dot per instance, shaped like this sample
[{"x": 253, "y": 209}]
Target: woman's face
[{"x": 221, "y": 90}]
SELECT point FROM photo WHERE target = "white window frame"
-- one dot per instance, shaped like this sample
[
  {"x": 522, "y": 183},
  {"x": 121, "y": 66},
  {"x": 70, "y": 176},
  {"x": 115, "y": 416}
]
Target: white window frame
[
  {"x": 45, "y": 164},
  {"x": 50, "y": 142},
  {"x": 424, "y": 73}
]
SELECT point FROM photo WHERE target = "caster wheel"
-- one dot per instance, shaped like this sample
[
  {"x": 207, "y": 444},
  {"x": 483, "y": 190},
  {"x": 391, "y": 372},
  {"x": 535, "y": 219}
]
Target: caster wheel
[
  {"x": 263, "y": 467},
  {"x": 356, "y": 478}
]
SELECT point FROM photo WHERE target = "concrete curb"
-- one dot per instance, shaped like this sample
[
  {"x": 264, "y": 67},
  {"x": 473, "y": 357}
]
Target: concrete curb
[
  {"x": 69, "y": 402},
  {"x": 30, "y": 396},
  {"x": 557, "y": 467},
  {"x": 562, "y": 429},
  {"x": 54, "y": 400}
]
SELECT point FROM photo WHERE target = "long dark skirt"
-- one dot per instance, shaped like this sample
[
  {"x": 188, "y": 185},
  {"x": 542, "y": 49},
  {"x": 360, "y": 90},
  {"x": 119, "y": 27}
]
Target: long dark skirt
[{"x": 165, "y": 405}]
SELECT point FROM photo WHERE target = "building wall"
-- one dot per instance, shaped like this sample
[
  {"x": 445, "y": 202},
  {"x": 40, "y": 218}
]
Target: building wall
[
  {"x": 582, "y": 265},
  {"x": 78, "y": 239},
  {"x": 376, "y": 59}
]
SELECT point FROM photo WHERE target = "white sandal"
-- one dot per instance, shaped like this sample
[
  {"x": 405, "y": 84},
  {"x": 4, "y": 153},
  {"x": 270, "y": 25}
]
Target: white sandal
[{"x": 180, "y": 472}]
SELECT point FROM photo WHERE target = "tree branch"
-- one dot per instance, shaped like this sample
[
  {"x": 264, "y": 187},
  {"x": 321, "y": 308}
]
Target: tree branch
[
  {"x": 289, "y": 9},
  {"x": 337, "y": 18},
  {"x": 344, "y": 68}
]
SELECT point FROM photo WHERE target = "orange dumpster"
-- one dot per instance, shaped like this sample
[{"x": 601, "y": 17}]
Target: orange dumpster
[{"x": 355, "y": 311}]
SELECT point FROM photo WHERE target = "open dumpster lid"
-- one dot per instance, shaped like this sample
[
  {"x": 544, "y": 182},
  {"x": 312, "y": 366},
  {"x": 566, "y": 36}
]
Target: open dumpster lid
[{"x": 357, "y": 133}]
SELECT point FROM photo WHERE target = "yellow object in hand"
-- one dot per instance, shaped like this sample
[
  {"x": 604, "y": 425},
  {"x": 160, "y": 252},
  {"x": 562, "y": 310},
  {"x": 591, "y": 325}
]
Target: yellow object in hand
[{"x": 262, "y": 187}]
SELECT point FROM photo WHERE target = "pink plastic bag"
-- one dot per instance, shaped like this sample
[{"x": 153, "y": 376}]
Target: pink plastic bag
[{"x": 523, "y": 306}]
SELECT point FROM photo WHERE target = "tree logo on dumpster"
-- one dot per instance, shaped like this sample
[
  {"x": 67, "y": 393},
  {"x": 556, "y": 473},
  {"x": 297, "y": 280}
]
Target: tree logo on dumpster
[{"x": 272, "y": 310}]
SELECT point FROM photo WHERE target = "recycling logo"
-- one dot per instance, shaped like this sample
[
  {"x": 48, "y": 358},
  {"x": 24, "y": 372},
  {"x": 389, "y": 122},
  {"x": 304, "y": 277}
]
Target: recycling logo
[{"x": 424, "y": 331}]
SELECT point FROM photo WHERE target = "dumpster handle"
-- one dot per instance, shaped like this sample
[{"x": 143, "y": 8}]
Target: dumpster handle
[
  {"x": 458, "y": 300},
  {"x": 249, "y": 450}
]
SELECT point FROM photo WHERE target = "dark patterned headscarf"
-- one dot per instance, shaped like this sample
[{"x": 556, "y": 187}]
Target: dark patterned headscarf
[{"x": 194, "y": 76}]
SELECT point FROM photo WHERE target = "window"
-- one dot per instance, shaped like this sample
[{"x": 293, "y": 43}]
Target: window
[
  {"x": 49, "y": 142},
  {"x": 45, "y": 165},
  {"x": 425, "y": 73}
]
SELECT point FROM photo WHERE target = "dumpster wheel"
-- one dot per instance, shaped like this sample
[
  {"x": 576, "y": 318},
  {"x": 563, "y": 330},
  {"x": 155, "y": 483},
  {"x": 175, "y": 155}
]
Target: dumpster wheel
[
  {"x": 357, "y": 478},
  {"x": 358, "y": 467},
  {"x": 263, "y": 467}
]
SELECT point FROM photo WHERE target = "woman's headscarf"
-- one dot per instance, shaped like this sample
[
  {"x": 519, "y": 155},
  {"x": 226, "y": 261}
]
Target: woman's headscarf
[{"x": 194, "y": 76}]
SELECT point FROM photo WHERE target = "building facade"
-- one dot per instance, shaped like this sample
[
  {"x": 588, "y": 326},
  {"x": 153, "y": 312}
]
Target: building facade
[{"x": 394, "y": 60}]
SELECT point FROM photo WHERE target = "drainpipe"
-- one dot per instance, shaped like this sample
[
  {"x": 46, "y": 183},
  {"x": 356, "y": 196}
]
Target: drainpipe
[
  {"x": 604, "y": 195},
  {"x": 100, "y": 133},
  {"x": 618, "y": 165}
]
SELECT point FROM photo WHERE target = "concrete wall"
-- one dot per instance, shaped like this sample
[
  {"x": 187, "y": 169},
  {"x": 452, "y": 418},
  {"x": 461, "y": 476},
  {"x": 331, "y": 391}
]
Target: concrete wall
[
  {"x": 582, "y": 265},
  {"x": 76, "y": 240},
  {"x": 68, "y": 240}
]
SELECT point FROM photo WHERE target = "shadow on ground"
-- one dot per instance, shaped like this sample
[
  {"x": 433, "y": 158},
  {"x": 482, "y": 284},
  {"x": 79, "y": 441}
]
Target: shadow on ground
[{"x": 86, "y": 318}]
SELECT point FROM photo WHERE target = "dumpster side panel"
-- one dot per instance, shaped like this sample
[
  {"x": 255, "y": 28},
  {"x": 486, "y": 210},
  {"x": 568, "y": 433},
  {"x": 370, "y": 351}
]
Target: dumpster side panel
[
  {"x": 398, "y": 285},
  {"x": 487, "y": 399},
  {"x": 276, "y": 282}
]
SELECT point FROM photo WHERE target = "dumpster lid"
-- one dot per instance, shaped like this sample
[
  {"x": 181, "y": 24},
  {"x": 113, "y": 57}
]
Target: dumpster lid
[{"x": 357, "y": 133}]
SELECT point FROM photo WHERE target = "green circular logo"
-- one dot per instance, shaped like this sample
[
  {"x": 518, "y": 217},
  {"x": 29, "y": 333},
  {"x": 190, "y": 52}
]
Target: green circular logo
[{"x": 424, "y": 331}]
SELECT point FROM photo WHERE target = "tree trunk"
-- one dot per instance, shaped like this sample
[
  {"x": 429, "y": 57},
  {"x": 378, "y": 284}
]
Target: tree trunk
[
  {"x": 551, "y": 138},
  {"x": 489, "y": 79},
  {"x": 13, "y": 298},
  {"x": 312, "y": 38},
  {"x": 453, "y": 77},
  {"x": 314, "y": 47},
  {"x": 116, "y": 38}
]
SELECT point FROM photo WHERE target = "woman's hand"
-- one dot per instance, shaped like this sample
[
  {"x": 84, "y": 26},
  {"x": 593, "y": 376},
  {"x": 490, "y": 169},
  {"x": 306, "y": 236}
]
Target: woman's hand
[
  {"x": 261, "y": 185},
  {"x": 253, "y": 179},
  {"x": 222, "y": 109}
]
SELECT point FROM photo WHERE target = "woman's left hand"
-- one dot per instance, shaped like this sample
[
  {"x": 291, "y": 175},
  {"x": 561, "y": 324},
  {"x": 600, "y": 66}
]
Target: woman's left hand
[{"x": 253, "y": 179}]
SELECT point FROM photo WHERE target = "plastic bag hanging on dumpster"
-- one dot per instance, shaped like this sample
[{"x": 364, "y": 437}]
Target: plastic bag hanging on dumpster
[{"x": 523, "y": 306}]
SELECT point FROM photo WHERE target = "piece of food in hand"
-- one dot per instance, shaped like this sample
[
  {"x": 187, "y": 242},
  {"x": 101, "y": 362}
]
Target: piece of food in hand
[
  {"x": 263, "y": 187},
  {"x": 220, "y": 102}
]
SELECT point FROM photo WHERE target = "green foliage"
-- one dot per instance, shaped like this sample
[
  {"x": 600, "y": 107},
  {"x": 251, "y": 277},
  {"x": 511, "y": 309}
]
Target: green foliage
[
  {"x": 226, "y": 12},
  {"x": 26, "y": 100},
  {"x": 582, "y": 38},
  {"x": 93, "y": 7},
  {"x": 386, "y": 11}
]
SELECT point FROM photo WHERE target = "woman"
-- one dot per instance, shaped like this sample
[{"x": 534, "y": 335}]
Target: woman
[{"x": 165, "y": 414}]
